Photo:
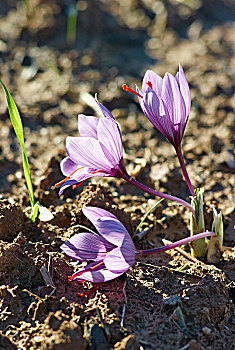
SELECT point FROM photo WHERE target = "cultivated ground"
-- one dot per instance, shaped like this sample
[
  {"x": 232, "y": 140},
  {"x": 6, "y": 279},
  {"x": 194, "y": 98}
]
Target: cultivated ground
[{"x": 173, "y": 300}]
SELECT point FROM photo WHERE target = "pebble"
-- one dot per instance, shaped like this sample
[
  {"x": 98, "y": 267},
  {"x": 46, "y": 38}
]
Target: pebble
[
  {"x": 206, "y": 330},
  {"x": 38, "y": 339}
]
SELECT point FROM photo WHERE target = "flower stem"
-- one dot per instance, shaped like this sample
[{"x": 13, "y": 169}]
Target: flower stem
[
  {"x": 185, "y": 173},
  {"x": 176, "y": 244},
  {"x": 160, "y": 194}
]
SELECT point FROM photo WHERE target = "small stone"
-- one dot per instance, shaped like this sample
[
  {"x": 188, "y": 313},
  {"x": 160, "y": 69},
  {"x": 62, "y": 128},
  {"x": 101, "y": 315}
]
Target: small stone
[
  {"x": 206, "y": 330},
  {"x": 38, "y": 339}
]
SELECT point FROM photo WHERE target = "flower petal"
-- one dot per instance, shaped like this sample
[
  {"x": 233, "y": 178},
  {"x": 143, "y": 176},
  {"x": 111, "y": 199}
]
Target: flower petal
[
  {"x": 107, "y": 225},
  {"x": 154, "y": 79},
  {"x": 109, "y": 136},
  {"x": 173, "y": 99},
  {"x": 184, "y": 89},
  {"x": 87, "y": 246},
  {"x": 87, "y": 126},
  {"x": 119, "y": 260},
  {"x": 86, "y": 151},
  {"x": 67, "y": 166},
  {"x": 95, "y": 213},
  {"x": 112, "y": 230},
  {"x": 66, "y": 184},
  {"x": 104, "y": 110}
]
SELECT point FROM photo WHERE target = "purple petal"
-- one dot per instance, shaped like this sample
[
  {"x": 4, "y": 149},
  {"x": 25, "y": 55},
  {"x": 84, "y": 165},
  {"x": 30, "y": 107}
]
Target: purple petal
[
  {"x": 119, "y": 260},
  {"x": 67, "y": 166},
  {"x": 107, "y": 225},
  {"x": 87, "y": 246},
  {"x": 95, "y": 213},
  {"x": 184, "y": 89},
  {"x": 112, "y": 230},
  {"x": 154, "y": 79},
  {"x": 78, "y": 173},
  {"x": 110, "y": 139},
  {"x": 152, "y": 104},
  {"x": 158, "y": 115},
  {"x": 87, "y": 126},
  {"x": 86, "y": 151},
  {"x": 173, "y": 99},
  {"x": 66, "y": 184},
  {"x": 104, "y": 110}
]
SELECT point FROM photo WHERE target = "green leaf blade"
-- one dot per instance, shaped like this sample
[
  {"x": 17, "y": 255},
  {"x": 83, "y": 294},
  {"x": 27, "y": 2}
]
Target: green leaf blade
[
  {"x": 148, "y": 212},
  {"x": 15, "y": 116},
  {"x": 18, "y": 127}
]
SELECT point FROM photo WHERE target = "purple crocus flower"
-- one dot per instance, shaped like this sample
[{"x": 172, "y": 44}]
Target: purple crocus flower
[
  {"x": 112, "y": 251},
  {"x": 97, "y": 152},
  {"x": 166, "y": 103}
]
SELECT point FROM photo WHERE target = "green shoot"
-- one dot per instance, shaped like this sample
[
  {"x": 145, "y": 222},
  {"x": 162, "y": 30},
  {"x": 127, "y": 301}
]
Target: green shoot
[
  {"x": 37, "y": 210},
  {"x": 197, "y": 225},
  {"x": 18, "y": 127},
  {"x": 27, "y": 6},
  {"x": 215, "y": 246},
  {"x": 148, "y": 212},
  {"x": 72, "y": 24}
]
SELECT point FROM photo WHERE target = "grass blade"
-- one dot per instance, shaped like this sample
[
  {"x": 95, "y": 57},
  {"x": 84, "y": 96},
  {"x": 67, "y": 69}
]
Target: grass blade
[
  {"x": 18, "y": 128},
  {"x": 148, "y": 212},
  {"x": 72, "y": 24}
]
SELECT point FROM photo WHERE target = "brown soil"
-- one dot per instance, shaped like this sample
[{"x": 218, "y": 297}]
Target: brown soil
[{"x": 172, "y": 301}]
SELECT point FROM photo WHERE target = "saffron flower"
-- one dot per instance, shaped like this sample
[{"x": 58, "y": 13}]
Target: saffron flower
[
  {"x": 166, "y": 103},
  {"x": 97, "y": 152},
  {"x": 112, "y": 251}
]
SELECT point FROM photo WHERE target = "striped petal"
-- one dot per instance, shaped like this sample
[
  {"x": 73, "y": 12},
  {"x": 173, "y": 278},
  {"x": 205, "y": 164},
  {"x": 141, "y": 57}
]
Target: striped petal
[
  {"x": 87, "y": 126},
  {"x": 86, "y": 151},
  {"x": 87, "y": 246}
]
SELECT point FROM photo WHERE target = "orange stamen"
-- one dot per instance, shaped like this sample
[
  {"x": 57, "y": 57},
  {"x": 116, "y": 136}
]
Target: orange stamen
[
  {"x": 150, "y": 84},
  {"x": 126, "y": 88},
  {"x": 90, "y": 291},
  {"x": 68, "y": 177}
]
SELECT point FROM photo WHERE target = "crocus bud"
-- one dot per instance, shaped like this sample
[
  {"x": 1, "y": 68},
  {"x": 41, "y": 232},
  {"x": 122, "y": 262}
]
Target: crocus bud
[
  {"x": 216, "y": 243},
  {"x": 197, "y": 225}
]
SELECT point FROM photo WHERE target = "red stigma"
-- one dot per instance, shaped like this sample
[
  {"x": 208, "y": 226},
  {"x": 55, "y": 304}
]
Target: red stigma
[
  {"x": 150, "y": 84},
  {"x": 97, "y": 171},
  {"x": 80, "y": 183},
  {"x": 126, "y": 88},
  {"x": 90, "y": 291},
  {"x": 68, "y": 177}
]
